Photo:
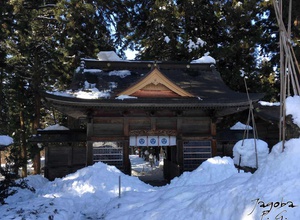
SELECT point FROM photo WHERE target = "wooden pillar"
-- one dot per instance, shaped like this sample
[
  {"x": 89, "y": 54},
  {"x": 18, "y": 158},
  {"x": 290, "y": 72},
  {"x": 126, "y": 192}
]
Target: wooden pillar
[
  {"x": 213, "y": 129},
  {"x": 89, "y": 146},
  {"x": 126, "y": 161},
  {"x": 125, "y": 144},
  {"x": 179, "y": 143},
  {"x": 46, "y": 166}
]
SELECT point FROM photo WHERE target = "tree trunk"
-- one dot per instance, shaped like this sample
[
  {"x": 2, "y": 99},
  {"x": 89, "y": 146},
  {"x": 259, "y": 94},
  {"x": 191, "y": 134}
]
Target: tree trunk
[
  {"x": 37, "y": 115},
  {"x": 23, "y": 146}
]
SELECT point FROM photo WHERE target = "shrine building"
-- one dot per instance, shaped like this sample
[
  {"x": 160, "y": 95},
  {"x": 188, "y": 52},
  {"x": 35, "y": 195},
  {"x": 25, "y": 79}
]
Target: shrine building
[{"x": 170, "y": 106}]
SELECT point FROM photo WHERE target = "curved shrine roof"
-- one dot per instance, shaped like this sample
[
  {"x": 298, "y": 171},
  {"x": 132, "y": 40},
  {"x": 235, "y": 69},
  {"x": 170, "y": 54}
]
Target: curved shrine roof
[{"x": 157, "y": 85}]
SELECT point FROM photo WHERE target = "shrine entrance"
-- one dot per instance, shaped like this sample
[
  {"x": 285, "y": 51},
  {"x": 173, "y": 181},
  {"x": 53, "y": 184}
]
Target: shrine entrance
[{"x": 148, "y": 155}]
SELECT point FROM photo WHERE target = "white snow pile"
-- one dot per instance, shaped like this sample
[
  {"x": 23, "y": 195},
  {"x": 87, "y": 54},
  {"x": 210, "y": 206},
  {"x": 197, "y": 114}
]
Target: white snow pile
[
  {"x": 211, "y": 171},
  {"x": 245, "y": 150},
  {"x": 6, "y": 140},
  {"x": 120, "y": 73},
  {"x": 56, "y": 127},
  {"x": 108, "y": 56},
  {"x": 240, "y": 126},
  {"x": 292, "y": 108},
  {"x": 205, "y": 59}
]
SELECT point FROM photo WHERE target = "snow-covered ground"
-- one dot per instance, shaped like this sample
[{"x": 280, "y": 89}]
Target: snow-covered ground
[{"x": 213, "y": 191}]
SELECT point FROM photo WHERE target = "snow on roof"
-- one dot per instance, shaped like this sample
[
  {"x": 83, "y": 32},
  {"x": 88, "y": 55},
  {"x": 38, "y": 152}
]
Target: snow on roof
[
  {"x": 91, "y": 93},
  {"x": 6, "y": 140},
  {"x": 120, "y": 73},
  {"x": 241, "y": 126},
  {"x": 108, "y": 56},
  {"x": 264, "y": 103},
  {"x": 245, "y": 150},
  {"x": 55, "y": 127},
  {"x": 94, "y": 71},
  {"x": 205, "y": 59},
  {"x": 122, "y": 97}
]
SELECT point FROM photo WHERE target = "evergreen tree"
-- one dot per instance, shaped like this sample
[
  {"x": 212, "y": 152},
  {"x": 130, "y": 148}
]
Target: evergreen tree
[
  {"x": 5, "y": 21},
  {"x": 31, "y": 48}
]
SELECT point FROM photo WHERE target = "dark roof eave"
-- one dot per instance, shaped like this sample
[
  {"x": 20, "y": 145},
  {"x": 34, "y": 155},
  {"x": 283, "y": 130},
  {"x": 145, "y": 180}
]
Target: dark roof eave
[{"x": 114, "y": 103}]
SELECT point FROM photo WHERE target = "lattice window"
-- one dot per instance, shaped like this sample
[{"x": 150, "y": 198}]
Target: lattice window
[
  {"x": 110, "y": 153},
  {"x": 194, "y": 153}
]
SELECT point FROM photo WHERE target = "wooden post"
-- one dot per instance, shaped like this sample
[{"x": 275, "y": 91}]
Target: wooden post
[
  {"x": 125, "y": 145},
  {"x": 89, "y": 147},
  {"x": 213, "y": 132}
]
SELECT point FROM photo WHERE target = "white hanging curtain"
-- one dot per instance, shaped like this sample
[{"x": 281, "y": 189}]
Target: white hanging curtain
[
  {"x": 142, "y": 141},
  {"x": 164, "y": 140},
  {"x": 132, "y": 141},
  {"x": 172, "y": 141},
  {"x": 152, "y": 141}
]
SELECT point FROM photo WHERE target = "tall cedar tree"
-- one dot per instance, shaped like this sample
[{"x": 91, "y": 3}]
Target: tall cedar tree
[
  {"x": 47, "y": 40},
  {"x": 5, "y": 21}
]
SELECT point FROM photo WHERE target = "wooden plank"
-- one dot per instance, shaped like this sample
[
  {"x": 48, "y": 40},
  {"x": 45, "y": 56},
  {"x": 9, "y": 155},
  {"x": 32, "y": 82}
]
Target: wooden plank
[
  {"x": 168, "y": 124},
  {"x": 108, "y": 129}
]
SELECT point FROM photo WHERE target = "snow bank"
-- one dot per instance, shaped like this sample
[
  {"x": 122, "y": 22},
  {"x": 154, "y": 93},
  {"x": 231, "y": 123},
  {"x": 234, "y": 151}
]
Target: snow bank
[
  {"x": 81, "y": 195},
  {"x": 211, "y": 171},
  {"x": 213, "y": 191},
  {"x": 245, "y": 149},
  {"x": 292, "y": 108}
]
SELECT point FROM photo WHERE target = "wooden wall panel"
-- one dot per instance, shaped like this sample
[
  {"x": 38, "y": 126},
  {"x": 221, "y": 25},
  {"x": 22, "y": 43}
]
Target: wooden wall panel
[
  {"x": 108, "y": 129},
  {"x": 196, "y": 126},
  {"x": 79, "y": 155},
  {"x": 168, "y": 124},
  {"x": 63, "y": 159},
  {"x": 140, "y": 124}
]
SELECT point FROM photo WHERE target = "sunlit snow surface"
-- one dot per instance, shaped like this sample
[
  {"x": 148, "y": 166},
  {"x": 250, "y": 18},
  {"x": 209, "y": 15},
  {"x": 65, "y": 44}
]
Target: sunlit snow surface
[{"x": 213, "y": 191}]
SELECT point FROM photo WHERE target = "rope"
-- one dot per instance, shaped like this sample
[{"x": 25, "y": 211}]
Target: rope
[{"x": 289, "y": 67}]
